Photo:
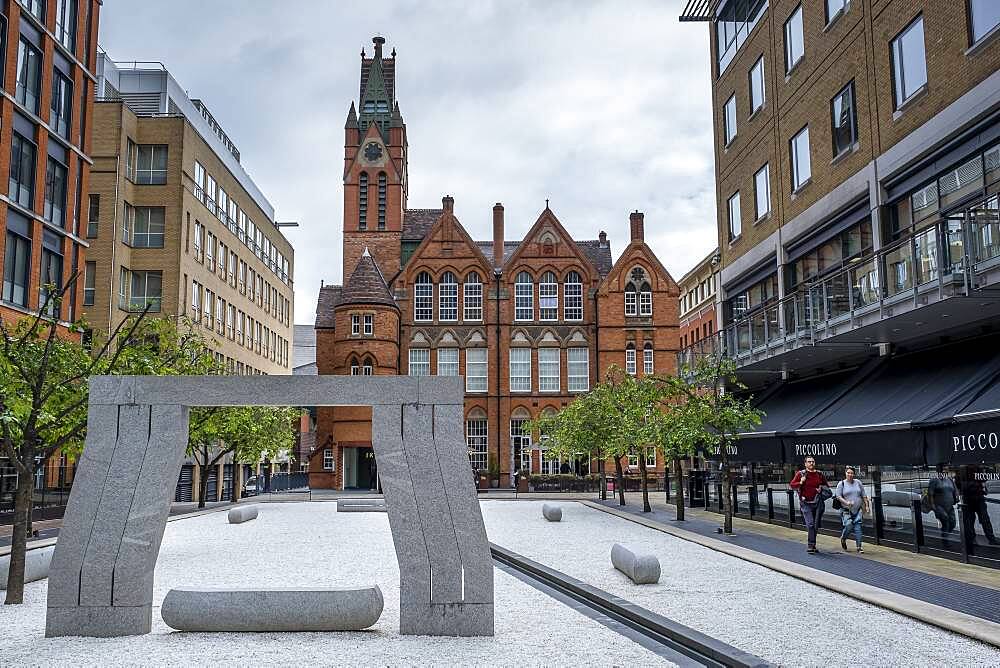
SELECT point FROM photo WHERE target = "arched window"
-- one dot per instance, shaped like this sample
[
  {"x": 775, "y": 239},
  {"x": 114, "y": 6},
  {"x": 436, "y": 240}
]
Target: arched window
[
  {"x": 647, "y": 359},
  {"x": 573, "y": 297},
  {"x": 355, "y": 368},
  {"x": 548, "y": 297},
  {"x": 381, "y": 200},
  {"x": 473, "y": 292},
  {"x": 448, "y": 298},
  {"x": 423, "y": 298},
  {"x": 477, "y": 438},
  {"x": 630, "y": 359},
  {"x": 363, "y": 201},
  {"x": 368, "y": 367},
  {"x": 631, "y": 299},
  {"x": 520, "y": 441},
  {"x": 524, "y": 297},
  {"x": 645, "y": 300}
]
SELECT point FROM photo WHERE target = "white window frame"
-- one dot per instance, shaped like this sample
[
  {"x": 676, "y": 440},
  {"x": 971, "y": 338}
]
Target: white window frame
[
  {"x": 903, "y": 93},
  {"x": 329, "y": 463},
  {"x": 578, "y": 369},
  {"x": 801, "y": 170},
  {"x": 477, "y": 439},
  {"x": 472, "y": 295},
  {"x": 447, "y": 361},
  {"x": 549, "y": 369},
  {"x": 423, "y": 298},
  {"x": 355, "y": 324},
  {"x": 734, "y": 216},
  {"x": 645, "y": 302},
  {"x": 420, "y": 361},
  {"x": 756, "y": 76},
  {"x": 476, "y": 369},
  {"x": 650, "y": 456},
  {"x": 448, "y": 298},
  {"x": 520, "y": 362},
  {"x": 795, "y": 49},
  {"x": 647, "y": 360},
  {"x": 524, "y": 298},
  {"x": 369, "y": 323},
  {"x": 548, "y": 297},
  {"x": 573, "y": 297},
  {"x": 630, "y": 360},
  {"x": 762, "y": 181},
  {"x": 729, "y": 120},
  {"x": 631, "y": 301}
]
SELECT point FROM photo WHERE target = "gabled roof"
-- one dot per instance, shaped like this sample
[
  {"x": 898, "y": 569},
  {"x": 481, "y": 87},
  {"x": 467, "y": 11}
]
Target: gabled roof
[
  {"x": 326, "y": 304},
  {"x": 548, "y": 217},
  {"x": 366, "y": 284},
  {"x": 508, "y": 249},
  {"x": 598, "y": 253},
  {"x": 418, "y": 222}
]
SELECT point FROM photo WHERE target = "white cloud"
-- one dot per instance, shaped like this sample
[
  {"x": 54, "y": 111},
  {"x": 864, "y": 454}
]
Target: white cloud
[{"x": 602, "y": 107}]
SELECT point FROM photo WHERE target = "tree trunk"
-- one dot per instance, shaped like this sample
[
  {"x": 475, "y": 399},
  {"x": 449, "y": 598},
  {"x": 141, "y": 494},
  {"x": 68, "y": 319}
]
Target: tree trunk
[
  {"x": 727, "y": 498},
  {"x": 237, "y": 483},
  {"x": 619, "y": 481},
  {"x": 202, "y": 484},
  {"x": 646, "y": 508},
  {"x": 19, "y": 539},
  {"x": 604, "y": 480},
  {"x": 679, "y": 497}
]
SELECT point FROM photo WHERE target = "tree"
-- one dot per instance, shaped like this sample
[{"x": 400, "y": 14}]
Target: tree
[
  {"x": 638, "y": 423},
  {"x": 677, "y": 435},
  {"x": 43, "y": 391},
  {"x": 248, "y": 433},
  {"x": 714, "y": 414}
]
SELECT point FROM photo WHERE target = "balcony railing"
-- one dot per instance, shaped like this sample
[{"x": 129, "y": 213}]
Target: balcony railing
[{"x": 949, "y": 258}]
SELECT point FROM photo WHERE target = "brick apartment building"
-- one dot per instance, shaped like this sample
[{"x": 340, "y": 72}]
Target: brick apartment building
[
  {"x": 530, "y": 323},
  {"x": 697, "y": 302},
  {"x": 857, "y": 153},
  {"x": 48, "y": 53}
]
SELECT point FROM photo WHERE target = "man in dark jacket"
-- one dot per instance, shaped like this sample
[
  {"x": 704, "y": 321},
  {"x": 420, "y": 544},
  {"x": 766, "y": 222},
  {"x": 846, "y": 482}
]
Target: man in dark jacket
[
  {"x": 973, "y": 505},
  {"x": 943, "y": 497},
  {"x": 808, "y": 483}
]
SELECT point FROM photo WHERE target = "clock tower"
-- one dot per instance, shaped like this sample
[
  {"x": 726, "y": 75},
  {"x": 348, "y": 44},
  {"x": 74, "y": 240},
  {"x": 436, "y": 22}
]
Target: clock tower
[{"x": 375, "y": 167}]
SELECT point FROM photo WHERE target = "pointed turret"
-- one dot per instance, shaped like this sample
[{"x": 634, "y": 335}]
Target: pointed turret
[
  {"x": 366, "y": 284},
  {"x": 376, "y": 92},
  {"x": 352, "y": 119}
]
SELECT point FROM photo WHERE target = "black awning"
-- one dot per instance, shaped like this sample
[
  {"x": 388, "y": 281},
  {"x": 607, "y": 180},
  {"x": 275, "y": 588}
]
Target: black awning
[
  {"x": 753, "y": 449},
  {"x": 889, "y": 446},
  {"x": 965, "y": 442},
  {"x": 791, "y": 404}
]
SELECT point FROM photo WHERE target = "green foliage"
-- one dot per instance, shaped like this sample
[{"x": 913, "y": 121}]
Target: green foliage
[{"x": 250, "y": 433}]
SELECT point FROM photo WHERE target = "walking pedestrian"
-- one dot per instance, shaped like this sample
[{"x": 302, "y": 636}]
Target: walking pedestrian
[
  {"x": 973, "y": 506},
  {"x": 943, "y": 496},
  {"x": 853, "y": 503},
  {"x": 810, "y": 485}
]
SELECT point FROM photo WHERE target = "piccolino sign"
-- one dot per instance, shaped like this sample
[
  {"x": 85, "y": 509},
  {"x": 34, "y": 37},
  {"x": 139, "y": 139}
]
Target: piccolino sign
[
  {"x": 988, "y": 440},
  {"x": 815, "y": 449}
]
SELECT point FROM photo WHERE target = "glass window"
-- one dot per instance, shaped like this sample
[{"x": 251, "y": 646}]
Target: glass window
[
  {"x": 548, "y": 297},
  {"x": 369, "y": 324},
  {"x": 476, "y": 369},
  {"x": 524, "y": 297},
  {"x": 89, "y": 283},
  {"x": 735, "y": 221},
  {"x": 93, "y": 215},
  {"x": 151, "y": 164},
  {"x": 984, "y": 16},
  {"x": 448, "y": 298},
  {"x": 328, "y": 459},
  {"x": 630, "y": 359},
  {"x": 548, "y": 369},
  {"x": 147, "y": 231},
  {"x": 66, "y": 23},
  {"x": 477, "y": 440},
  {"x": 16, "y": 267},
  {"x": 520, "y": 369},
  {"x": 36, "y": 8},
  {"x": 22, "y": 171},
  {"x": 631, "y": 300},
  {"x": 363, "y": 201},
  {"x": 473, "y": 295},
  {"x": 801, "y": 167},
  {"x": 735, "y": 23},
  {"x": 843, "y": 120},
  {"x": 762, "y": 192},
  {"x": 573, "y": 297},
  {"x": 647, "y": 359},
  {"x": 645, "y": 300},
  {"x": 146, "y": 289},
  {"x": 55, "y": 193},
  {"x": 420, "y": 362},
  {"x": 578, "y": 369},
  {"x": 29, "y": 75},
  {"x": 447, "y": 361},
  {"x": 794, "y": 44},
  {"x": 757, "y": 85},
  {"x": 199, "y": 181},
  {"x": 834, "y": 9},
  {"x": 423, "y": 298},
  {"x": 729, "y": 119},
  {"x": 355, "y": 325},
  {"x": 51, "y": 277},
  {"x": 62, "y": 104},
  {"x": 909, "y": 66}
]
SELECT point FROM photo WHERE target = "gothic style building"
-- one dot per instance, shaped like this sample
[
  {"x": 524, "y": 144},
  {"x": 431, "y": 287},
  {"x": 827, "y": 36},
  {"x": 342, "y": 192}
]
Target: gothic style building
[{"x": 529, "y": 323}]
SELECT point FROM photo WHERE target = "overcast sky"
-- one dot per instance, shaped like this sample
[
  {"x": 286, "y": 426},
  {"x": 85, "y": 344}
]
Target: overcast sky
[{"x": 602, "y": 107}]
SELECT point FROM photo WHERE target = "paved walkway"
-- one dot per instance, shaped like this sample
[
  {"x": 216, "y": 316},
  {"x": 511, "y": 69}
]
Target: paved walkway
[{"x": 976, "y": 593}]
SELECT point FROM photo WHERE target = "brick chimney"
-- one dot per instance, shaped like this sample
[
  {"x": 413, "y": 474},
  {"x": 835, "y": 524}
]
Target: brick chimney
[
  {"x": 448, "y": 203},
  {"x": 498, "y": 234},
  {"x": 636, "y": 225}
]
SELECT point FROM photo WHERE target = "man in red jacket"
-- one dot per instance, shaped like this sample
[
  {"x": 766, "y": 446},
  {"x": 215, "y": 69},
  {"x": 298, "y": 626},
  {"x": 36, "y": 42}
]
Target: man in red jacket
[{"x": 808, "y": 484}]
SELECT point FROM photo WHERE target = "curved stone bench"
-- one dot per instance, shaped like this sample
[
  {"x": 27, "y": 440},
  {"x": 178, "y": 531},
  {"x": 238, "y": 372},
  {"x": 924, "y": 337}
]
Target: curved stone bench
[
  {"x": 242, "y": 514},
  {"x": 36, "y": 565},
  {"x": 551, "y": 513},
  {"x": 360, "y": 506},
  {"x": 268, "y": 610},
  {"x": 640, "y": 568}
]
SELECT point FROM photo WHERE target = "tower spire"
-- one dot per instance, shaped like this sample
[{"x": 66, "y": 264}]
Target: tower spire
[{"x": 376, "y": 91}]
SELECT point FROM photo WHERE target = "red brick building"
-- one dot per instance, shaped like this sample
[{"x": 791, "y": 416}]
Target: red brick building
[{"x": 530, "y": 323}]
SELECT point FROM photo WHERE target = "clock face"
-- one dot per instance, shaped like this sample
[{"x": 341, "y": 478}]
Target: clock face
[{"x": 373, "y": 151}]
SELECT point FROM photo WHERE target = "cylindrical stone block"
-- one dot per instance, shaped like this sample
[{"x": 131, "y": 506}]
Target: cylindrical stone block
[
  {"x": 551, "y": 513},
  {"x": 269, "y": 610},
  {"x": 640, "y": 568},
  {"x": 242, "y": 514},
  {"x": 36, "y": 565}
]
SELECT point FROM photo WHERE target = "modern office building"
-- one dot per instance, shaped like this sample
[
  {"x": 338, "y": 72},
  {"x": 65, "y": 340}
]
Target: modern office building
[
  {"x": 697, "y": 304},
  {"x": 858, "y": 170},
  {"x": 48, "y": 52},
  {"x": 174, "y": 221},
  {"x": 531, "y": 323}
]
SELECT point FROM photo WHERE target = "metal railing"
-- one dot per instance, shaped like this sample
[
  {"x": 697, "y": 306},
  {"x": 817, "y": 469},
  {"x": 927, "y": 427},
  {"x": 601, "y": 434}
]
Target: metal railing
[{"x": 949, "y": 258}]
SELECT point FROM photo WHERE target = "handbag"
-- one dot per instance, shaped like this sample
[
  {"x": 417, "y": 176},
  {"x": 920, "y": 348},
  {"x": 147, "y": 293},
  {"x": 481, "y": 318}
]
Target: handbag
[{"x": 837, "y": 505}]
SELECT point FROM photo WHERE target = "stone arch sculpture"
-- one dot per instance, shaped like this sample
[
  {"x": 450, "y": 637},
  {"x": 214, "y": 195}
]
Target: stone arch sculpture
[{"x": 101, "y": 581}]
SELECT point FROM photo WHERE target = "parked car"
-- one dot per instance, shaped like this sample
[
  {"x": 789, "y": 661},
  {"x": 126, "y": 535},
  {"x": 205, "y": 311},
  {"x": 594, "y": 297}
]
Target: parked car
[{"x": 250, "y": 487}]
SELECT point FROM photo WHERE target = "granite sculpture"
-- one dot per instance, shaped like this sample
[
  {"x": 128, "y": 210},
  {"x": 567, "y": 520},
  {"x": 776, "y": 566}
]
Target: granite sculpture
[
  {"x": 271, "y": 610},
  {"x": 101, "y": 581},
  {"x": 360, "y": 506},
  {"x": 242, "y": 514},
  {"x": 640, "y": 568},
  {"x": 552, "y": 513}
]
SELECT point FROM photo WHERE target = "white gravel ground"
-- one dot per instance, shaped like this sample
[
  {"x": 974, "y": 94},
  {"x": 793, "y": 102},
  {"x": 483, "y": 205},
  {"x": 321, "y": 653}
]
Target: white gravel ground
[
  {"x": 774, "y": 616},
  {"x": 310, "y": 544}
]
